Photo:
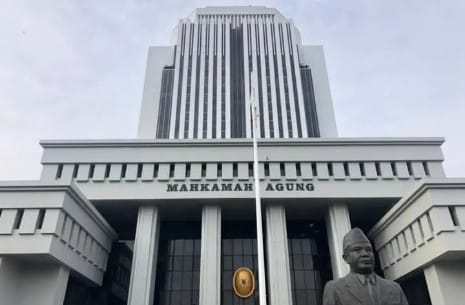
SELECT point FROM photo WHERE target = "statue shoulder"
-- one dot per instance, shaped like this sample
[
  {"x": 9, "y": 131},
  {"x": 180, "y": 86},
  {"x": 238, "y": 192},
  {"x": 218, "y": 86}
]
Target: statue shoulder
[
  {"x": 333, "y": 284},
  {"x": 394, "y": 287},
  {"x": 329, "y": 293},
  {"x": 330, "y": 284},
  {"x": 389, "y": 283},
  {"x": 333, "y": 290}
]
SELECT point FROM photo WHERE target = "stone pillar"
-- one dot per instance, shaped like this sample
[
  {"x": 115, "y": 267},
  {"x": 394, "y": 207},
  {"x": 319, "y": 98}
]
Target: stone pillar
[
  {"x": 445, "y": 281},
  {"x": 144, "y": 261},
  {"x": 210, "y": 257},
  {"x": 279, "y": 277},
  {"x": 337, "y": 225},
  {"x": 24, "y": 283},
  {"x": 8, "y": 280}
]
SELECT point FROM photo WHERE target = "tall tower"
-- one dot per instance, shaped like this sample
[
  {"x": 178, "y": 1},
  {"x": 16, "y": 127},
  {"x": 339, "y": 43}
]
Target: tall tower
[{"x": 199, "y": 88}]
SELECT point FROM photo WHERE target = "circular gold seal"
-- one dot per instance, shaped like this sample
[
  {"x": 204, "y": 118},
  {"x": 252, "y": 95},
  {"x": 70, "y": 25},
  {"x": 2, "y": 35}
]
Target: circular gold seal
[{"x": 243, "y": 282}]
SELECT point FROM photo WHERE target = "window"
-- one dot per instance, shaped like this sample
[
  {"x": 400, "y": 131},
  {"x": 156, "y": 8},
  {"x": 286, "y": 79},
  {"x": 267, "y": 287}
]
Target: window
[
  {"x": 307, "y": 241},
  {"x": 178, "y": 269}
]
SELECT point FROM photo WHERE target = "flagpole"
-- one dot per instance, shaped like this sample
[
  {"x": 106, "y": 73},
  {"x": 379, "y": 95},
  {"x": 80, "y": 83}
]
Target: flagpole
[{"x": 258, "y": 206}]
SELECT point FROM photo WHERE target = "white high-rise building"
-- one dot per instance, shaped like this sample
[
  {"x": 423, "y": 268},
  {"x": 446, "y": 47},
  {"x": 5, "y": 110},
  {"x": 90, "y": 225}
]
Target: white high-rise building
[
  {"x": 168, "y": 218},
  {"x": 218, "y": 55}
]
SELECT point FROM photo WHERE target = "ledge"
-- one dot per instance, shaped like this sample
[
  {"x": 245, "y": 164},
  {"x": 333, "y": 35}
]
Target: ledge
[
  {"x": 241, "y": 142},
  {"x": 419, "y": 189},
  {"x": 422, "y": 228},
  {"x": 54, "y": 223},
  {"x": 69, "y": 188}
]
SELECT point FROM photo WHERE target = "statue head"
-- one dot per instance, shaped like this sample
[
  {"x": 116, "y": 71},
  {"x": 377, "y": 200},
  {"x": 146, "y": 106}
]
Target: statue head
[{"x": 358, "y": 252}]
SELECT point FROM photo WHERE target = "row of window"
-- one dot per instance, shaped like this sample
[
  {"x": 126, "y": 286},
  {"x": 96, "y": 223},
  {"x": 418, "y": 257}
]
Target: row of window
[{"x": 266, "y": 165}]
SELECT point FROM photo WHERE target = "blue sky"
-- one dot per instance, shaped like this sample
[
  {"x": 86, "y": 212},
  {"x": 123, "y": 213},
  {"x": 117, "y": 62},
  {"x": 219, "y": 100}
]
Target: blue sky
[{"x": 75, "y": 69}]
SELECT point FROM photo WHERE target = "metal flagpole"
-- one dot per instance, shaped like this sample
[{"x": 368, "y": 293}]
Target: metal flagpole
[{"x": 258, "y": 206}]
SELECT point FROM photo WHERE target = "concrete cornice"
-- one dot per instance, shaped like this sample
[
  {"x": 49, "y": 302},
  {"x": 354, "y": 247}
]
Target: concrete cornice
[
  {"x": 418, "y": 190},
  {"x": 242, "y": 142},
  {"x": 71, "y": 189}
]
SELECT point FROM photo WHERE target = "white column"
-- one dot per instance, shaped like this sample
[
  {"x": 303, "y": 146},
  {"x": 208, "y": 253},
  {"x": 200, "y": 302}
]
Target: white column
[
  {"x": 290, "y": 87},
  {"x": 337, "y": 225},
  {"x": 8, "y": 280},
  {"x": 282, "y": 97},
  {"x": 263, "y": 51},
  {"x": 271, "y": 54},
  {"x": 203, "y": 44},
  {"x": 210, "y": 257},
  {"x": 255, "y": 52},
  {"x": 445, "y": 281},
  {"x": 24, "y": 283},
  {"x": 219, "y": 62},
  {"x": 144, "y": 261},
  {"x": 193, "y": 81},
  {"x": 247, "y": 51},
  {"x": 228, "y": 79},
  {"x": 279, "y": 277},
  {"x": 186, "y": 53},
  {"x": 210, "y": 79}
]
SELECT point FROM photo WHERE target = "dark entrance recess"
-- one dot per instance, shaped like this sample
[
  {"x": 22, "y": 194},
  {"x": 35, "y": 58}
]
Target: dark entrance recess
[
  {"x": 309, "y": 261},
  {"x": 115, "y": 286},
  {"x": 416, "y": 290},
  {"x": 178, "y": 268},
  {"x": 239, "y": 249}
]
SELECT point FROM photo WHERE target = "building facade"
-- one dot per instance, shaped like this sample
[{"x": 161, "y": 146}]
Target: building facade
[{"x": 167, "y": 218}]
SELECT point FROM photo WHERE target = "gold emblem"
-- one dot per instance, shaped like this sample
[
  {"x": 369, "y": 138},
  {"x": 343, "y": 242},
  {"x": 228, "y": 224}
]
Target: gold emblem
[{"x": 244, "y": 282}]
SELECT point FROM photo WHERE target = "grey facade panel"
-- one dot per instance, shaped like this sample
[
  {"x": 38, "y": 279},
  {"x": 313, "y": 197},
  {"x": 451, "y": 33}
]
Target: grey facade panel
[
  {"x": 189, "y": 91},
  {"x": 309, "y": 103},
  {"x": 237, "y": 84},
  {"x": 166, "y": 95},
  {"x": 197, "y": 86},
  {"x": 180, "y": 81}
]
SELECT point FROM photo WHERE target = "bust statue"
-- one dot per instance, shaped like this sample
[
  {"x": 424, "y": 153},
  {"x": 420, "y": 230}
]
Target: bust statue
[{"x": 361, "y": 286}]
